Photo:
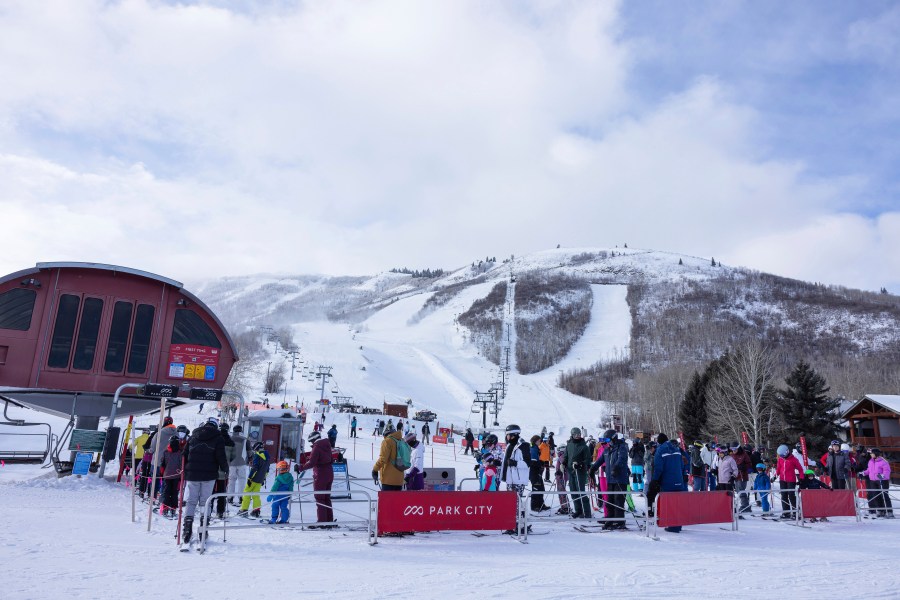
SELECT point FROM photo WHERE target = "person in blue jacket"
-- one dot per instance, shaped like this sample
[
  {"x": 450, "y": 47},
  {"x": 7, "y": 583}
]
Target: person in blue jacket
[
  {"x": 281, "y": 503},
  {"x": 761, "y": 485},
  {"x": 615, "y": 457},
  {"x": 668, "y": 469}
]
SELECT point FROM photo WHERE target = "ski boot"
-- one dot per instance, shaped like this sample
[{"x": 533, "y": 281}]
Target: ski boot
[
  {"x": 188, "y": 530},
  {"x": 255, "y": 513},
  {"x": 204, "y": 535}
]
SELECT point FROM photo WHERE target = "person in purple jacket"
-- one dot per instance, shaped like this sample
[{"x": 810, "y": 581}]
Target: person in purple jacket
[
  {"x": 879, "y": 474},
  {"x": 320, "y": 461}
]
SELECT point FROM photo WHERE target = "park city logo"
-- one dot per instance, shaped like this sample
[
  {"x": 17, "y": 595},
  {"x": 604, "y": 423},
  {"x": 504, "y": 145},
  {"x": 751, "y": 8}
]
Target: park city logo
[{"x": 413, "y": 510}]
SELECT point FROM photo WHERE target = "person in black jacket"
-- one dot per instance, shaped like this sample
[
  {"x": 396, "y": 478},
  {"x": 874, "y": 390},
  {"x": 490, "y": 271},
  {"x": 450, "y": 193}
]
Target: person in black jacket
[
  {"x": 470, "y": 442},
  {"x": 578, "y": 459},
  {"x": 204, "y": 457},
  {"x": 615, "y": 457}
]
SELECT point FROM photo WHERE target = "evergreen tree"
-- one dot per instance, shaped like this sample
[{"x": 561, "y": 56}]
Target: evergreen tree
[
  {"x": 807, "y": 409},
  {"x": 692, "y": 411},
  {"x": 680, "y": 262},
  {"x": 714, "y": 261}
]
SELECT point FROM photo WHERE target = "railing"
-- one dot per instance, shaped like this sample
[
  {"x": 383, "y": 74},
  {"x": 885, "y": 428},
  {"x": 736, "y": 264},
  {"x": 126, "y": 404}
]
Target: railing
[{"x": 295, "y": 497}]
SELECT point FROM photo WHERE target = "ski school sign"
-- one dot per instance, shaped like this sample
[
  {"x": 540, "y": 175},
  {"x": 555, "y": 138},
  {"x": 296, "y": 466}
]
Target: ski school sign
[{"x": 442, "y": 511}]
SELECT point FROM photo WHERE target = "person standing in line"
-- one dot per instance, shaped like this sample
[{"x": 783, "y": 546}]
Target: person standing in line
[
  {"x": 636, "y": 454},
  {"x": 789, "y": 472},
  {"x": 320, "y": 461},
  {"x": 698, "y": 467},
  {"x": 204, "y": 457},
  {"x": 281, "y": 503},
  {"x": 615, "y": 457},
  {"x": 415, "y": 477},
  {"x": 259, "y": 469},
  {"x": 761, "y": 485},
  {"x": 171, "y": 465},
  {"x": 728, "y": 471},
  {"x": 742, "y": 459},
  {"x": 237, "y": 463},
  {"x": 837, "y": 465},
  {"x": 385, "y": 471},
  {"x": 879, "y": 473},
  {"x": 516, "y": 466},
  {"x": 651, "y": 489},
  {"x": 222, "y": 480},
  {"x": 578, "y": 459},
  {"x": 544, "y": 453},
  {"x": 668, "y": 469},
  {"x": 538, "y": 503}
]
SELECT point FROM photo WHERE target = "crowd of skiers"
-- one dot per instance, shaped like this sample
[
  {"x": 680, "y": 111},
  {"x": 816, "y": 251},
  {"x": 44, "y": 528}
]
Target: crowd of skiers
[{"x": 663, "y": 465}]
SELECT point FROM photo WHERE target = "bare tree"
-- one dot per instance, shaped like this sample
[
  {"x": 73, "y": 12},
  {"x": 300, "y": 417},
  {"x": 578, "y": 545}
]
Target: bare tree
[
  {"x": 275, "y": 378},
  {"x": 740, "y": 395}
]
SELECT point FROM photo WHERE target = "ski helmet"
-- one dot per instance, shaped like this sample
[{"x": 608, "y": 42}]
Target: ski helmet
[
  {"x": 761, "y": 466},
  {"x": 809, "y": 473},
  {"x": 212, "y": 421},
  {"x": 575, "y": 432},
  {"x": 783, "y": 450},
  {"x": 491, "y": 440},
  {"x": 314, "y": 437},
  {"x": 282, "y": 466},
  {"x": 516, "y": 430},
  {"x": 610, "y": 434},
  {"x": 224, "y": 427},
  {"x": 845, "y": 447},
  {"x": 258, "y": 446},
  {"x": 835, "y": 443},
  {"x": 237, "y": 429},
  {"x": 167, "y": 421},
  {"x": 875, "y": 451}
]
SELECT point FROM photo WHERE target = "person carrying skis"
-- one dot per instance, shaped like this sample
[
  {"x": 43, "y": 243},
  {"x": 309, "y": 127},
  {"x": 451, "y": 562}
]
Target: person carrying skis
[
  {"x": 281, "y": 503},
  {"x": 789, "y": 472},
  {"x": 762, "y": 484},
  {"x": 320, "y": 460},
  {"x": 259, "y": 468},
  {"x": 578, "y": 461},
  {"x": 415, "y": 477},
  {"x": 204, "y": 457},
  {"x": 615, "y": 457}
]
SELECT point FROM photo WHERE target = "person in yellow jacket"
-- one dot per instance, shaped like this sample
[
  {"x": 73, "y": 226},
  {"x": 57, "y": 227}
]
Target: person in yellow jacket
[{"x": 391, "y": 476}]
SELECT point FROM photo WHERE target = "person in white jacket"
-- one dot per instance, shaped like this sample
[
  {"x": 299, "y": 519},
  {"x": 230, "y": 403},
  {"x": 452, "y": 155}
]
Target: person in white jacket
[
  {"x": 415, "y": 475},
  {"x": 516, "y": 465}
]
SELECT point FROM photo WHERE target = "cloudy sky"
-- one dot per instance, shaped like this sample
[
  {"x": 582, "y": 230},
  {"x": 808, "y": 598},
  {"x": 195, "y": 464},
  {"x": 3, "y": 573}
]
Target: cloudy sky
[{"x": 198, "y": 139}]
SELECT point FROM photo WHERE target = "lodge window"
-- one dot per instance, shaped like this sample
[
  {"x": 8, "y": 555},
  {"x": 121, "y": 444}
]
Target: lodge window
[
  {"x": 140, "y": 339},
  {"x": 63, "y": 331},
  {"x": 190, "y": 328},
  {"x": 88, "y": 331},
  {"x": 118, "y": 337},
  {"x": 16, "y": 307}
]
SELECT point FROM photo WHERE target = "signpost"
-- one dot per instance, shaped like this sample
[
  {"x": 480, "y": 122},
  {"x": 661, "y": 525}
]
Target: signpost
[
  {"x": 82, "y": 464},
  {"x": 206, "y": 394}
]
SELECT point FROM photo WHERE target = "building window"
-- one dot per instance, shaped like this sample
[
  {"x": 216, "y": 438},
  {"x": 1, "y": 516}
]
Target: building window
[
  {"x": 140, "y": 339},
  {"x": 88, "y": 331},
  {"x": 190, "y": 328},
  {"x": 63, "y": 331},
  {"x": 118, "y": 337},
  {"x": 16, "y": 307}
]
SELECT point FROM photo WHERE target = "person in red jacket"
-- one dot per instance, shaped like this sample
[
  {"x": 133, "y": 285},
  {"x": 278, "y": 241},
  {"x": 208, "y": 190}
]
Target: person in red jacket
[
  {"x": 789, "y": 472},
  {"x": 323, "y": 475}
]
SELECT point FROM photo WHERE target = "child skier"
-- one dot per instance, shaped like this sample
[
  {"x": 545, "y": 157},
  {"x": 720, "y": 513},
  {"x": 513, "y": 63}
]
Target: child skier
[
  {"x": 171, "y": 474},
  {"x": 281, "y": 503},
  {"x": 761, "y": 483},
  {"x": 489, "y": 480}
]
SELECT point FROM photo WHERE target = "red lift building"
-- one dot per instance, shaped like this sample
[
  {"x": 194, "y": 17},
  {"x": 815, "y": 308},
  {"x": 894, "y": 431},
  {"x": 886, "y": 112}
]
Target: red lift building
[{"x": 72, "y": 333}]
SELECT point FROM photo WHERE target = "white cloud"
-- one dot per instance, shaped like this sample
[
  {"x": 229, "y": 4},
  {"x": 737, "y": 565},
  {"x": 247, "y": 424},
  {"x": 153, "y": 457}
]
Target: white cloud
[{"x": 350, "y": 137}]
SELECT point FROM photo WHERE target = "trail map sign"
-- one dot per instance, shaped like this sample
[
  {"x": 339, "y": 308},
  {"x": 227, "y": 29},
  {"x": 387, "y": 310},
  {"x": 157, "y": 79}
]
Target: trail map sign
[{"x": 87, "y": 440}]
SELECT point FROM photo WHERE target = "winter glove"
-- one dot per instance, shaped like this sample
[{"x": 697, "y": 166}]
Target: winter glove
[
  {"x": 269, "y": 498},
  {"x": 476, "y": 468},
  {"x": 375, "y": 477},
  {"x": 297, "y": 468},
  {"x": 577, "y": 466},
  {"x": 512, "y": 462},
  {"x": 249, "y": 482},
  {"x": 591, "y": 472}
]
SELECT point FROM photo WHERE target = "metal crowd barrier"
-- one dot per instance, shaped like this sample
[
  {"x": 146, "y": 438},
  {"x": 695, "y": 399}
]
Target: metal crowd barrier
[{"x": 295, "y": 497}]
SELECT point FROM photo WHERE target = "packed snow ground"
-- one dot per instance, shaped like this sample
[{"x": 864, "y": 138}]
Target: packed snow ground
[{"x": 74, "y": 537}]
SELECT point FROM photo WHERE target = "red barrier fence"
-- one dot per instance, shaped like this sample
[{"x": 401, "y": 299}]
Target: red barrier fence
[
  {"x": 442, "y": 511},
  {"x": 815, "y": 504},
  {"x": 694, "y": 508}
]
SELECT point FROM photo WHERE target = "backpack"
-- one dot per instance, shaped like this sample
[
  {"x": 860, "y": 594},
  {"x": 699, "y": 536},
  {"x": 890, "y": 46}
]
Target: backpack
[{"x": 402, "y": 461}]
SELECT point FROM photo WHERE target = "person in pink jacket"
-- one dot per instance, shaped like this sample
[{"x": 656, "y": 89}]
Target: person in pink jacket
[
  {"x": 879, "y": 474},
  {"x": 789, "y": 472}
]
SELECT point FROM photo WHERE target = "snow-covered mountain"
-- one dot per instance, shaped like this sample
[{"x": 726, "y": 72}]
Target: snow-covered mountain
[{"x": 396, "y": 337}]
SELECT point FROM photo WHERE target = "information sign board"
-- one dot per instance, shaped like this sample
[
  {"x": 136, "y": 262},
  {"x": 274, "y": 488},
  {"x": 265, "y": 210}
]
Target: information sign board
[
  {"x": 87, "y": 440},
  {"x": 82, "y": 464},
  {"x": 187, "y": 361}
]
